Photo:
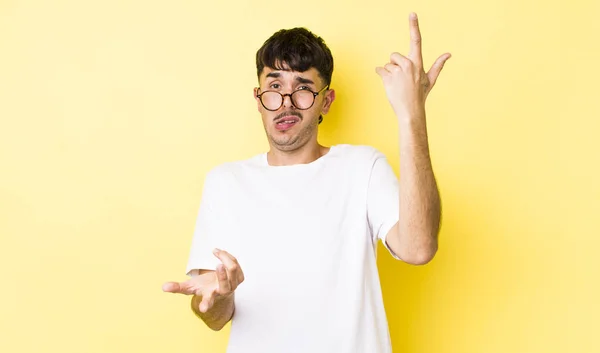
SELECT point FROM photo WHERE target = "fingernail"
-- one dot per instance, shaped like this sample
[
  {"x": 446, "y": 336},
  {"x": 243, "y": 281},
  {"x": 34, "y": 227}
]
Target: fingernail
[{"x": 216, "y": 251}]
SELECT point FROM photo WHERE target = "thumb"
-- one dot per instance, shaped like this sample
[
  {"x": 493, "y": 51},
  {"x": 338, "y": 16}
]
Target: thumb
[
  {"x": 436, "y": 68},
  {"x": 176, "y": 287},
  {"x": 381, "y": 72}
]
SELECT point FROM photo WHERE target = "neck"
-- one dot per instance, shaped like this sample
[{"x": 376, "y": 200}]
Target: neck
[{"x": 303, "y": 155}]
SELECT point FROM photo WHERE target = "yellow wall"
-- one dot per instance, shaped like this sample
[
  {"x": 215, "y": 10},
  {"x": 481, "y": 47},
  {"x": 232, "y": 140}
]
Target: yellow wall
[{"x": 113, "y": 111}]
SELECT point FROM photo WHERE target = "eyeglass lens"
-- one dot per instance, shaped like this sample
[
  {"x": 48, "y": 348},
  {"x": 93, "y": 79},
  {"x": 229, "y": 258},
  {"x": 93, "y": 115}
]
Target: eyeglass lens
[{"x": 301, "y": 99}]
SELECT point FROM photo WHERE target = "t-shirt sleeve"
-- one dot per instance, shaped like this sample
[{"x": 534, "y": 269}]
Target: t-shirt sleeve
[
  {"x": 208, "y": 228},
  {"x": 383, "y": 200}
]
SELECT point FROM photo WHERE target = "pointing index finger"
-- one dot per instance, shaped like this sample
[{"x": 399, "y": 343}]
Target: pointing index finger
[
  {"x": 415, "y": 40},
  {"x": 176, "y": 287}
]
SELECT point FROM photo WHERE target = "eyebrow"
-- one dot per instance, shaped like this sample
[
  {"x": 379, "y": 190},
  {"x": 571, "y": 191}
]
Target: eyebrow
[
  {"x": 304, "y": 80},
  {"x": 275, "y": 74}
]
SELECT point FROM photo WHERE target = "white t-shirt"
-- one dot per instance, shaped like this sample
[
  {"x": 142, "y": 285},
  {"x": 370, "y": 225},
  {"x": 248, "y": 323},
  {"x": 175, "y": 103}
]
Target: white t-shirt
[{"x": 306, "y": 237}]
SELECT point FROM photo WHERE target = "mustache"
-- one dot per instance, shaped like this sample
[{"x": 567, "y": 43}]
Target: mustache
[{"x": 290, "y": 113}]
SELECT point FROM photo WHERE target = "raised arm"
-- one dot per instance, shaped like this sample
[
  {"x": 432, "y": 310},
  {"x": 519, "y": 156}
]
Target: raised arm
[{"x": 414, "y": 238}]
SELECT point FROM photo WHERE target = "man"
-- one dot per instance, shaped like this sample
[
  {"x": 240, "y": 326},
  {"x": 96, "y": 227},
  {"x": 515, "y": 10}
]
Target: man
[{"x": 293, "y": 232}]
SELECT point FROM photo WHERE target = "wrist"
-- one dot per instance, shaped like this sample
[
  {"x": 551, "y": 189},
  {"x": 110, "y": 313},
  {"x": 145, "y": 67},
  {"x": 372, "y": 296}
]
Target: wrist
[
  {"x": 408, "y": 120},
  {"x": 408, "y": 113}
]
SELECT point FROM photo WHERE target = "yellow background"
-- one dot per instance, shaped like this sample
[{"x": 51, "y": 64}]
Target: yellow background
[{"x": 112, "y": 112}]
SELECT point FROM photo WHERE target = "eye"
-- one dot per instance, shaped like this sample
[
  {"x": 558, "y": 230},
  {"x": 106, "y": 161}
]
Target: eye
[
  {"x": 275, "y": 86},
  {"x": 303, "y": 88}
]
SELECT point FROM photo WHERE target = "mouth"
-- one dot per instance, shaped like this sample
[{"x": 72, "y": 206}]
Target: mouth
[{"x": 286, "y": 122}]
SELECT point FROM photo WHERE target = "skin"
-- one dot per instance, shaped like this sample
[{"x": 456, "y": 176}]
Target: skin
[
  {"x": 212, "y": 291},
  {"x": 297, "y": 145},
  {"x": 414, "y": 238}
]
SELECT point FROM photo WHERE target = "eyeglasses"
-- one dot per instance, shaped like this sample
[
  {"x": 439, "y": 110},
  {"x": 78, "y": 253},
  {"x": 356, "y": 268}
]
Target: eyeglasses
[{"x": 301, "y": 99}]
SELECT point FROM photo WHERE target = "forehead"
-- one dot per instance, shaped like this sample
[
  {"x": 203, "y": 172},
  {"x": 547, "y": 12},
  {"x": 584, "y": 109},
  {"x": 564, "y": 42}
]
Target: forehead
[{"x": 286, "y": 74}]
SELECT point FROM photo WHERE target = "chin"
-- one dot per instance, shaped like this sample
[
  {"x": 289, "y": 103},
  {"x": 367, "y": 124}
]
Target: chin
[{"x": 287, "y": 143}]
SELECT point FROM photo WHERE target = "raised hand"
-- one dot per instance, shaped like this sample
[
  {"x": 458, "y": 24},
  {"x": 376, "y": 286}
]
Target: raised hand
[
  {"x": 211, "y": 285},
  {"x": 406, "y": 83}
]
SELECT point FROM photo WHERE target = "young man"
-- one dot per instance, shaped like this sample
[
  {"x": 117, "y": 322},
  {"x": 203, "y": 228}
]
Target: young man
[{"x": 285, "y": 242}]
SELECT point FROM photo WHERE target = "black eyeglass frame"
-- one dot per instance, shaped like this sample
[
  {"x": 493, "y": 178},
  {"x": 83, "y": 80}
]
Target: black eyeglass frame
[{"x": 315, "y": 94}]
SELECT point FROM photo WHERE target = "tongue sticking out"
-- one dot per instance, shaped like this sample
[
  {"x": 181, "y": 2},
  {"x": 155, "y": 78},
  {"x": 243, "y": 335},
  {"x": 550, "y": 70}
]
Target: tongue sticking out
[{"x": 285, "y": 124}]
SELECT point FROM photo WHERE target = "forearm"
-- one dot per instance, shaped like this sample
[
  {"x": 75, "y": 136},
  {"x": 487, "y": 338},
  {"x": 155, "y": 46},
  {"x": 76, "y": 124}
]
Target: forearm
[
  {"x": 218, "y": 315},
  {"x": 419, "y": 220}
]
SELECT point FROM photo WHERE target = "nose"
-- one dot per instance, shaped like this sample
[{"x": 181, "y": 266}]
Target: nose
[{"x": 287, "y": 101}]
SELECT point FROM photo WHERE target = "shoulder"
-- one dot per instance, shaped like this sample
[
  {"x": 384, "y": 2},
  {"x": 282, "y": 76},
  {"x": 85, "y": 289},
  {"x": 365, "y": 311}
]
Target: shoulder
[
  {"x": 359, "y": 153},
  {"x": 227, "y": 170}
]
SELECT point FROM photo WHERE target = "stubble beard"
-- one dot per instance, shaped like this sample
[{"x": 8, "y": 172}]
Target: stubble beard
[{"x": 293, "y": 142}]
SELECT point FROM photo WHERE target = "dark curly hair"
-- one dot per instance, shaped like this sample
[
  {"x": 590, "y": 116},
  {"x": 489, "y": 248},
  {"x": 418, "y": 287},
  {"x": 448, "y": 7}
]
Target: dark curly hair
[{"x": 296, "y": 49}]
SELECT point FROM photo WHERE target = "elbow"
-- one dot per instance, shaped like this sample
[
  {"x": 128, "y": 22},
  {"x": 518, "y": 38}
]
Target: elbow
[
  {"x": 419, "y": 260},
  {"x": 421, "y": 257},
  {"x": 418, "y": 249}
]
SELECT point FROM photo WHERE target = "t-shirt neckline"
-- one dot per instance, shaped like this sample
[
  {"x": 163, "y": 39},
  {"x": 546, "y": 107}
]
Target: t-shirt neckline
[{"x": 317, "y": 161}]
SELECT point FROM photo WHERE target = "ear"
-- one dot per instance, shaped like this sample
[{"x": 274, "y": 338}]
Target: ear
[
  {"x": 329, "y": 98},
  {"x": 258, "y": 105}
]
